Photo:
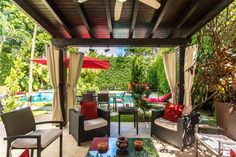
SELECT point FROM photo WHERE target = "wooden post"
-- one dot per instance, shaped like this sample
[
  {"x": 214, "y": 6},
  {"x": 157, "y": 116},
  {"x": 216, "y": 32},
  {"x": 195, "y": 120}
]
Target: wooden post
[
  {"x": 181, "y": 73},
  {"x": 62, "y": 83}
]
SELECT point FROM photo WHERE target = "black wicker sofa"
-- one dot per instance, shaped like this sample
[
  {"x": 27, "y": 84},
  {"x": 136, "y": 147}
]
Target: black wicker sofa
[{"x": 180, "y": 134}]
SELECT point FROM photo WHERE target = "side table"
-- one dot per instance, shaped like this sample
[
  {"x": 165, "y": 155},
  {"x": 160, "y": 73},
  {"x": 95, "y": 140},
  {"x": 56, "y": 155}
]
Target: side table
[{"x": 128, "y": 111}]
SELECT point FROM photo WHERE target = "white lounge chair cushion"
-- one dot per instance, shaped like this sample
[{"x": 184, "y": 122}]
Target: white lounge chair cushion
[
  {"x": 212, "y": 142},
  {"x": 47, "y": 137},
  {"x": 94, "y": 124},
  {"x": 166, "y": 124}
]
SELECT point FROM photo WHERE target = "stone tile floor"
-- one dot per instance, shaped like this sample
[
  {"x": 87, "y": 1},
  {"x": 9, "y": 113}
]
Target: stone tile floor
[{"x": 70, "y": 148}]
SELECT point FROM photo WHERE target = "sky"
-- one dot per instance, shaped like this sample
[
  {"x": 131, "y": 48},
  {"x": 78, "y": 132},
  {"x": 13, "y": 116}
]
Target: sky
[{"x": 115, "y": 51}]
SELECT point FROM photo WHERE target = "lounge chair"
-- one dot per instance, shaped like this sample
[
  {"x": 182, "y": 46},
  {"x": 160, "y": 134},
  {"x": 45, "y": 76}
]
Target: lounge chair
[
  {"x": 219, "y": 141},
  {"x": 160, "y": 99}
]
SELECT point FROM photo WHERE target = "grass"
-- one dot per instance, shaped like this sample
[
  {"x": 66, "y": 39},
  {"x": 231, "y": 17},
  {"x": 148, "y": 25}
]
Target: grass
[
  {"x": 206, "y": 118},
  {"x": 39, "y": 112},
  {"x": 130, "y": 118},
  {"x": 42, "y": 104},
  {"x": 44, "y": 108}
]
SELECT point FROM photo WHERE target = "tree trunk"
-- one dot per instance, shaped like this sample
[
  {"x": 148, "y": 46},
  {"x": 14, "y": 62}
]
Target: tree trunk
[{"x": 31, "y": 65}]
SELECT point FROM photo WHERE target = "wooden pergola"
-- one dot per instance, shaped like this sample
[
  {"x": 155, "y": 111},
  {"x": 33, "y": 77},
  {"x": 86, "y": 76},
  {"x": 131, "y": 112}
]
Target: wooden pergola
[{"x": 92, "y": 24}]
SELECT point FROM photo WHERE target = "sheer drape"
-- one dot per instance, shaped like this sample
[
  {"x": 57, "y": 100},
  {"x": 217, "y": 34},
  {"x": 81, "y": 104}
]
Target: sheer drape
[
  {"x": 190, "y": 56},
  {"x": 169, "y": 60},
  {"x": 76, "y": 62},
  {"x": 52, "y": 54}
]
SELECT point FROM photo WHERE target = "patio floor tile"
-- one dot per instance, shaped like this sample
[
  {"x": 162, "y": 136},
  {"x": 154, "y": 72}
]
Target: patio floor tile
[{"x": 70, "y": 148}]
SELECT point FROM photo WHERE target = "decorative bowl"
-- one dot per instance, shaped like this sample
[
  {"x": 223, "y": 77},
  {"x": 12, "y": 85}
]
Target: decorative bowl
[
  {"x": 102, "y": 146},
  {"x": 122, "y": 143},
  {"x": 138, "y": 145}
]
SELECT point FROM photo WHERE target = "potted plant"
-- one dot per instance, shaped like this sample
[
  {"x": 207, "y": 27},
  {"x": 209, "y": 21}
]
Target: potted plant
[{"x": 217, "y": 75}]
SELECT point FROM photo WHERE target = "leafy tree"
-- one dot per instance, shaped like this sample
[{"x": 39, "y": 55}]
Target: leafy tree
[
  {"x": 162, "y": 83},
  {"x": 139, "y": 83},
  {"x": 118, "y": 76},
  {"x": 17, "y": 30}
]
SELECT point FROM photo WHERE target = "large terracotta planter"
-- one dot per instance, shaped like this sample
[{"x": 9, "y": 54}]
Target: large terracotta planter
[{"x": 223, "y": 110}]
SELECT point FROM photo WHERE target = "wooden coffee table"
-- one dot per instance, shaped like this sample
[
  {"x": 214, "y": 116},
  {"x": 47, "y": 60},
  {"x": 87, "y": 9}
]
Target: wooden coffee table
[{"x": 149, "y": 149}]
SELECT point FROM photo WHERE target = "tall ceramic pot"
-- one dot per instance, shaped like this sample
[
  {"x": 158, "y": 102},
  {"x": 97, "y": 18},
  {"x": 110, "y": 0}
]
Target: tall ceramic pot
[{"x": 222, "y": 111}]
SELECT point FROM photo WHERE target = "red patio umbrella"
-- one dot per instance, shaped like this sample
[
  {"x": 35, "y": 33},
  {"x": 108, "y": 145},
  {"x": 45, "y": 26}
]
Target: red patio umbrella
[{"x": 89, "y": 63}]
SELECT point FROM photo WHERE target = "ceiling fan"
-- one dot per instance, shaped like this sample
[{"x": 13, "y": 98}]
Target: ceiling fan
[{"x": 119, "y": 3}]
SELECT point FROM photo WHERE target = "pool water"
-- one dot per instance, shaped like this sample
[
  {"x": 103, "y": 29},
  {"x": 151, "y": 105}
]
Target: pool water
[
  {"x": 41, "y": 96},
  {"x": 47, "y": 96}
]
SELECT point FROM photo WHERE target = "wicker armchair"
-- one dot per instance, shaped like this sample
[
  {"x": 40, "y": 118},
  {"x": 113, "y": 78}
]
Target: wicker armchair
[
  {"x": 179, "y": 134},
  {"x": 88, "y": 97},
  {"x": 21, "y": 132},
  {"x": 85, "y": 130}
]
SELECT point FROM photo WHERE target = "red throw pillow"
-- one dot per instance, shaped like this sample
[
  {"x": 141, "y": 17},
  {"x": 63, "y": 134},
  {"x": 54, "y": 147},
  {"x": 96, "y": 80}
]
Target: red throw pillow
[
  {"x": 89, "y": 110},
  {"x": 232, "y": 153},
  {"x": 25, "y": 153},
  {"x": 173, "y": 112}
]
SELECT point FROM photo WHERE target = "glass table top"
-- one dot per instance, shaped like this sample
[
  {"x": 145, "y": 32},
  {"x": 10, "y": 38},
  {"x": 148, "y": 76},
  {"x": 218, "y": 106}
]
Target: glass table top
[{"x": 149, "y": 149}]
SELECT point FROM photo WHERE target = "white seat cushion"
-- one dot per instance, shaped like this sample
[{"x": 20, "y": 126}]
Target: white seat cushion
[
  {"x": 47, "y": 136},
  {"x": 212, "y": 141},
  {"x": 94, "y": 124},
  {"x": 166, "y": 124}
]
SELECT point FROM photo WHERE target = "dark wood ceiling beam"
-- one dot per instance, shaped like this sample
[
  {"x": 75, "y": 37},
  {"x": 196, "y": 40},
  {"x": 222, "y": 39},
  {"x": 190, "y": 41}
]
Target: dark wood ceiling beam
[
  {"x": 35, "y": 16},
  {"x": 52, "y": 7},
  {"x": 209, "y": 16},
  {"x": 188, "y": 11},
  {"x": 152, "y": 42},
  {"x": 108, "y": 14},
  {"x": 134, "y": 18},
  {"x": 84, "y": 18},
  {"x": 162, "y": 11}
]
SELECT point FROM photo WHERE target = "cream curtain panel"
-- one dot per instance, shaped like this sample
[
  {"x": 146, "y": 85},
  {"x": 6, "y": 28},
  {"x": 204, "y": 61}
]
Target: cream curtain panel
[
  {"x": 190, "y": 56},
  {"x": 169, "y": 60},
  {"x": 52, "y": 54},
  {"x": 76, "y": 62}
]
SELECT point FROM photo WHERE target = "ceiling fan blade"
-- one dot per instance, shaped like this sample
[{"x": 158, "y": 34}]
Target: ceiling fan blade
[
  {"x": 82, "y": 1},
  {"x": 152, "y": 3},
  {"x": 118, "y": 9}
]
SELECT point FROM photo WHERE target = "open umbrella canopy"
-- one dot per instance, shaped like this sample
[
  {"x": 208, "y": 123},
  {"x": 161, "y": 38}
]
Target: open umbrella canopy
[{"x": 89, "y": 63}]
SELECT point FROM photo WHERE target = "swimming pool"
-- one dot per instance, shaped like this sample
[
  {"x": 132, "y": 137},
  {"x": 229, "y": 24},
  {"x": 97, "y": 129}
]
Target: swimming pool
[
  {"x": 47, "y": 96},
  {"x": 40, "y": 96}
]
